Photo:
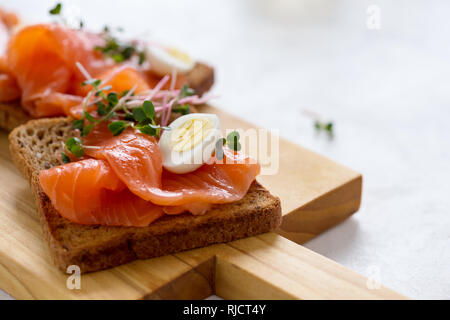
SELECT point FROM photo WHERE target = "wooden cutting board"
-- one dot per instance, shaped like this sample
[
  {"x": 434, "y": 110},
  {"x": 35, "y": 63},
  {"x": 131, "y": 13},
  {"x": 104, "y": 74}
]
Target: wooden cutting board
[{"x": 316, "y": 193}]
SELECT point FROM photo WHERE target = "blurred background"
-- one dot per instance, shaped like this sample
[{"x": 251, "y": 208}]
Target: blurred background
[{"x": 379, "y": 70}]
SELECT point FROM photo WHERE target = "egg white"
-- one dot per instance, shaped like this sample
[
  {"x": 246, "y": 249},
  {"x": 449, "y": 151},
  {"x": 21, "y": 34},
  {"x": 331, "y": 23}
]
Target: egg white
[
  {"x": 163, "y": 62},
  {"x": 184, "y": 161}
]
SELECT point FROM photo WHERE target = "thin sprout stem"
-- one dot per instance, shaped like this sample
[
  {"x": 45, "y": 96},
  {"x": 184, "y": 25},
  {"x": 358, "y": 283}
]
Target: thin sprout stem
[{"x": 83, "y": 70}]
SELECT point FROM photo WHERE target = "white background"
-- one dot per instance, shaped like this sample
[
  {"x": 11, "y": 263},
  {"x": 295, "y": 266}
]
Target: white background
[{"x": 386, "y": 90}]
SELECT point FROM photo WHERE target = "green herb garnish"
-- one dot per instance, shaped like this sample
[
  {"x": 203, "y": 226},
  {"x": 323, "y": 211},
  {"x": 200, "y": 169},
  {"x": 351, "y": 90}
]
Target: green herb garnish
[
  {"x": 324, "y": 126},
  {"x": 117, "y": 127},
  {"x": 232, "y": 142},
  {"x": 119, "y": 51},
  {"x": 64, "y": 157},
  {"x": 56, "y": 10},
  {"x": 75, "y": 146},
  {"x": 185, "y": 91},
  {"x": 184, "y": 109}
]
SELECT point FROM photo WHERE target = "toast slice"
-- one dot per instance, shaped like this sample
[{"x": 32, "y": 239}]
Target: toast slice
[
  {"x": 200, "y": 78},
  {"x": 33, "y": 147}
]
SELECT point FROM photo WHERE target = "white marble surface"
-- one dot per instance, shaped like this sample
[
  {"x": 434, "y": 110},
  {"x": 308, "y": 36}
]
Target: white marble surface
[{"x": 387, "y": 92}]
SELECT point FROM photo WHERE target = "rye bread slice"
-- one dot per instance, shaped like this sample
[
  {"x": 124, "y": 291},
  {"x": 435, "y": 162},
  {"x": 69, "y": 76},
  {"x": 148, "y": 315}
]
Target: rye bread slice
[
  {"x": 200, "y": 78},
  {"x": 34, "y": 147}
]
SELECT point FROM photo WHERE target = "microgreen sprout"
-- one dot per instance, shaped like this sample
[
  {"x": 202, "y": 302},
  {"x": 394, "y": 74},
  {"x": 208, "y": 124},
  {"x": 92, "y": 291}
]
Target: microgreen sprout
[
  {"x": 184, "y": 109},
  {"x": 119, "y": 51},
  {"x": 64, "y": 157},
  {"x": 324, "y": 126},
  {"x": 128, "y": 110},
  {"x": 75, "y": 146},
  {"x": 111, "y": 106},
  {"x": 185, "y": 91},
  {"x": 231, "y": 141},
  {"x": 56, "y": 10}
]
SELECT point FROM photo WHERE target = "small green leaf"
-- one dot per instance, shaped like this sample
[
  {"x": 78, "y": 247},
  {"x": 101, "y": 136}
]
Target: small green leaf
[
  {"x": 317, "y": 125},
  {"x": 139, "y": 114},
  {"x": 233, "y": 141},
  {"x": 72, "y": 142},
  {"x": 233, "y": 136},
  {"x": 113, "y": 99},
  {"x": 186, "y": 92},
  {"x": 184, "y": 109},
  {"x": 78, "y": 124},
  {"x": 149, "y": 109},
  {"x": 118, "y": 57},
  {"x": 127, "y": 52},
  {"x": 75, "y": 146},
  {"x": 147, "y": 129},
  {"x": 101, "y": 109},
  {"x": 117, "y": 127},
  {"x": 93, "y": 82},
  {"x": 64, "y": 158},
  {"x": 129, "y": 117},
  {"x": 89, "y": 117},
  {"x": 237, "y": 147},
  {"x": 77, "y": 150},
  {"x": 324, "y": 126},
  {"x": 142, "y": 57},
  {"x": 56, "y": 10},
  {"x": 86, "y": 130}
]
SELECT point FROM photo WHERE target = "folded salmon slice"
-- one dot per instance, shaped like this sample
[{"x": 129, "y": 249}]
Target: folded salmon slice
[
  {"x": 125, "y": 184},
  {"x": 9, "y": 90},
  {"x": 136, "y": 159},
  {"x": 120, "y": 78},
  {"x": 42, "y": 59},
  {"x": 42, "y": 70},
  {"x": 88, "y": 192}
]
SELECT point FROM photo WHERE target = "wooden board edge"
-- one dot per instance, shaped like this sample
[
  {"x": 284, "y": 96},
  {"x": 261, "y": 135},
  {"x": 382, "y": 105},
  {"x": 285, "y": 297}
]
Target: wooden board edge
[
  {"x": 196, "y": 284},
  {"x": 323, "y": 212}
]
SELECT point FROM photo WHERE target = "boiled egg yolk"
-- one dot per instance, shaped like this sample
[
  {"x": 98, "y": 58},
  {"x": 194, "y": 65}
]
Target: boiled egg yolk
[
  {"x": 190, "y": 142},
  {"x": 163, "y": 60}
]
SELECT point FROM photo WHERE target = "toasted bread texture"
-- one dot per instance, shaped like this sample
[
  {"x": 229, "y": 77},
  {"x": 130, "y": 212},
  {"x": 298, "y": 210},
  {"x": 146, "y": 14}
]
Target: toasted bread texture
[
  {"x": 200, "y": 78},
  {"x": 33, "y": 147}
]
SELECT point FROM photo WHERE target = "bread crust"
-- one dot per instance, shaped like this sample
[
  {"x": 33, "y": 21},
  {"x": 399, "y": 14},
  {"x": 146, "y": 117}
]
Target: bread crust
[
  {"x": 200, "y": 78},
  {"x": 95, "y": 247}
]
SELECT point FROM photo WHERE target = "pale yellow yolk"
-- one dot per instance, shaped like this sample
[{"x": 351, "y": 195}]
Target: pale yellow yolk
[
  {"x": 179, "y": 55},
  {"x": 190, "y": 134}
]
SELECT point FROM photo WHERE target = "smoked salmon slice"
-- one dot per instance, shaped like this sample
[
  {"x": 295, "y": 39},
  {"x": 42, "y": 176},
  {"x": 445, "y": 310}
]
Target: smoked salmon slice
[
  {"x": 42, "y": 69},
  {"x": 9, "y": 19},
  {"x": 136, "y": 159},
  {"x": 88, "y": 192},
  {"x": 42, "y": 59},
  {"x": 9, "y": 90},
  {"x": 120, "y": 78},
  {"x": 125, "y": 184}
]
